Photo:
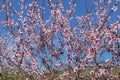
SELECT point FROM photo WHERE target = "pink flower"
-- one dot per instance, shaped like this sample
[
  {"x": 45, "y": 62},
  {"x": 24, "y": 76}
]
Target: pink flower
[
  {"x": 114, "y": 8},
  {"x": 118, "y": 25},
  {"x": 118, "y": 0},
  {"x": 26, "y": 78},
  {"x": 91, "y": 73},
  {"x": 100, "y": 1},
  {"x": 102, "y": 72},
  {"x": 58, "y": 64},
  {"x": 113, "y": 77},
  {"x": 118, "y": 39},
  {"x": 30, "y": 5},
  {"x": 3, "y": 22},
  {"x": 109, "y": 1},
  {"x": 21, "y": 0},
  {"x": 76, "y": 69},
  {"x": 66, "y": 73},
  {"x": 108, "y": 60},
  {"x": 15, "y": 58}
]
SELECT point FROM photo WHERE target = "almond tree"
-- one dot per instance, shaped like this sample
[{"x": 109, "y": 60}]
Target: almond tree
[{"x": 39, "y": 46}]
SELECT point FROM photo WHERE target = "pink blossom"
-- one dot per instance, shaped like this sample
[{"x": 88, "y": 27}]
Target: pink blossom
[
  {"x": 21, "y": 0},
  {"x": 102, "y": 72},
  {"x": 118, "y": 39},
  {"x": 118, "y": 0},
  {"x": 91, "y": 73},
  {"x": 109, "y": 1},
  {"x": 108, "y": 60},
  {"x": 114, "y": 8},
  {"x": 76, "y": 69},
  {"x": 100, "y": 1},
  {"x": 36, "y": 37},
  {"x": 113, "y": 77}
]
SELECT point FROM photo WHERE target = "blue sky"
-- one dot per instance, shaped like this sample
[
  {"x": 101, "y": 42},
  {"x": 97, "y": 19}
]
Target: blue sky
[{"x": 79, "y": 10}]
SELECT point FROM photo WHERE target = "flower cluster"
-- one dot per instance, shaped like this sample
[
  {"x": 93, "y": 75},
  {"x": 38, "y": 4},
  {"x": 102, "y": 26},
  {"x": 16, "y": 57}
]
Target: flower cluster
[{"x": 36, "y": 45}]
